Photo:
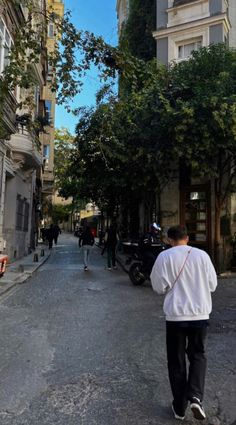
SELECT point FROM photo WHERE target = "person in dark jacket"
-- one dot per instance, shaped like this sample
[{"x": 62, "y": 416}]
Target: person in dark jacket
[
  {"x": 86, "y": 240},
  {"x": 111, "y": 239},
  {"x": 56, "y": 230},
  {"x": 49, "y": 236}
]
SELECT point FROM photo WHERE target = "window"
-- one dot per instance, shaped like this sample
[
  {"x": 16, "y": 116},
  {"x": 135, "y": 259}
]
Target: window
[
  {"x": 26, "y": 217},
  {"x": 22, "y": 214},
  {"x": 51, "y": 73},
  {"x": 185, "y": 50},
  {"x": 5, "y": 45},
  {"x": 19, "y": 212},
  {"x": 48, "y": 110},
  {"x": 46, "y": 151},
  {"x": 51, "y": 30},
  {"x": 46, "y": 154}
]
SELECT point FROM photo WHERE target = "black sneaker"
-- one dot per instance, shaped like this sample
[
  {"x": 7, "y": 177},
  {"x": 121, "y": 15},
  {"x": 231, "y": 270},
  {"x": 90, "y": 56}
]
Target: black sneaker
[
  {"x": 179, "y": 417},
  {"x": 197, "y": 409},
  {"x": 85, "y": 269}
]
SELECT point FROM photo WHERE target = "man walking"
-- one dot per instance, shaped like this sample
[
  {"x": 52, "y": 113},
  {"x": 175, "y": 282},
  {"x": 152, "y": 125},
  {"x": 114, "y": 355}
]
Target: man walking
[
  {"x": 111, "y": 239},
  {"x": 86, "y": 240},
  {"x": 56, "y": 230},
  {"x": 187, "y": 276}
]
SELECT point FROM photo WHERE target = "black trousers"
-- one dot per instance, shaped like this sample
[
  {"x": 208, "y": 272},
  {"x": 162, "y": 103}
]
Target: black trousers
[
  {"x": 186, "y": 338},
  {"x": 149, "y": 260}
]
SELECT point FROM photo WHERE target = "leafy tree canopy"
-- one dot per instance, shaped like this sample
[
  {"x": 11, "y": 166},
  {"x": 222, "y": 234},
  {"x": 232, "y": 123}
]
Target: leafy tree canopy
[
  {"x": 203, "y": 93},
  {"x": 122, "y": 149},
  {"x": 63, "y": 151}
]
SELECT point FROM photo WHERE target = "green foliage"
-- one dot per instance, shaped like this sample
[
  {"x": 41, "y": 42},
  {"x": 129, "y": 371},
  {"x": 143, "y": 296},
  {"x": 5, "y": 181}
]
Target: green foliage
[
  {"x": 75, "y": 51},
  {"x": 122, "y": 154},
  {"x": 63, "y": 151},
  {"x": 136, "y": 34},
  {"x": 60, "y": 213},
  {"x": 129, "y": 147},
  {"x": 203, "y": 93}
]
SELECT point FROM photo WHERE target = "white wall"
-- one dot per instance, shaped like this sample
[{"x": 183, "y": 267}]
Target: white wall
[{"x": 17, "y": 242}]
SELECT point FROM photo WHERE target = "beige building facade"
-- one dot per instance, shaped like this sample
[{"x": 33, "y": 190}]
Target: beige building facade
[
  {"x": 187, "y": 25},
  {"x": 49, "y": 97},
  {"x": 21, "y": 158}
]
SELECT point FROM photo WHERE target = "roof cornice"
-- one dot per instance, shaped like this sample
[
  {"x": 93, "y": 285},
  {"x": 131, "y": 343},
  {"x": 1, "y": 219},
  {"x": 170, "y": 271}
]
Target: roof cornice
[{"x": 211, "y": 20}]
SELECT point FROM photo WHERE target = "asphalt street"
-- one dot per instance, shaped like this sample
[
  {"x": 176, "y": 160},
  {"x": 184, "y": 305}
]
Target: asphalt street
[{"x": 88, "y": 348}]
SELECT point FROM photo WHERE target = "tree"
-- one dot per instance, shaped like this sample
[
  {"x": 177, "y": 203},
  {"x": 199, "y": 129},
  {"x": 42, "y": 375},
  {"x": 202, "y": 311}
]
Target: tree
[
  {"x": 60, "y": 213},
  {"x": 75, "y": 51},
  {"x": 203, "y": 122},
  {"x": 122, "y": 152},
  {"x": 63, "y": 151}
]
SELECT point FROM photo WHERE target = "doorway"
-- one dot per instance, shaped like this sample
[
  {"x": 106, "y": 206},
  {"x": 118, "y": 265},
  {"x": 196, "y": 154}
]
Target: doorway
[{"x": 195, "y": 213}]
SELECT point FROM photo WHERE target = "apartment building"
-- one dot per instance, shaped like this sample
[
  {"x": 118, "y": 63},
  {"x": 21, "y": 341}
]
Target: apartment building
[
  {"x": 187, "y": 25},
  {"x": 49, "y": 97},
  {"x": 20, "y": 148},
  {"x": 181, "y": 27}
]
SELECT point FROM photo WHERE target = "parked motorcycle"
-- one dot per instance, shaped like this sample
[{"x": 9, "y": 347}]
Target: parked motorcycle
[{"x": 138, "y": 271}]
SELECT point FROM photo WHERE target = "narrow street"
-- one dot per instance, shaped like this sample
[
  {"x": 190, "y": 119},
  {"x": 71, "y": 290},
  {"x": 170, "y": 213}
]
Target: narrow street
[{"x": 81, "y": 348}]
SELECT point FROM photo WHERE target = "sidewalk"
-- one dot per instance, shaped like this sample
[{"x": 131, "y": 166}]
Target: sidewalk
[{"x": 20, "y": 270}]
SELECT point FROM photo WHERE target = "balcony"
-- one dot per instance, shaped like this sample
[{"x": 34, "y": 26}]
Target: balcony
[
  {"x": 8, "y": 116},
  {"x": 25, "y": 147}
]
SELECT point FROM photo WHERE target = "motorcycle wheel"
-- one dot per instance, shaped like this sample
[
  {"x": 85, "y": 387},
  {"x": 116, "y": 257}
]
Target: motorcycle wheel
[{"x": 135, "y": 275}]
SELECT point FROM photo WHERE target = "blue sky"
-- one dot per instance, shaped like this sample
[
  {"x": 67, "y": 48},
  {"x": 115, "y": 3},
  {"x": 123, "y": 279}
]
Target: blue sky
[{"x": 98, "y": 16}]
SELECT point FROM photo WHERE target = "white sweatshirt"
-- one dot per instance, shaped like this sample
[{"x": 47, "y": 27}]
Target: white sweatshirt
[{"x": 190, "y": 298}]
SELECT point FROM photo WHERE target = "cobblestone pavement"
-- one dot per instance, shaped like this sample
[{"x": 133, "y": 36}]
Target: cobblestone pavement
[{"x": 81, "y": 348}]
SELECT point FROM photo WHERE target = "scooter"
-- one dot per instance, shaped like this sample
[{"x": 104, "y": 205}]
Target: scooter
[{"x": 138, "y": 271}]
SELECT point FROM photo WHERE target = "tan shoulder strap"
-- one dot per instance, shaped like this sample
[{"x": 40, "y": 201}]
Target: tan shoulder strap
[{"x": 182, "y": 268}]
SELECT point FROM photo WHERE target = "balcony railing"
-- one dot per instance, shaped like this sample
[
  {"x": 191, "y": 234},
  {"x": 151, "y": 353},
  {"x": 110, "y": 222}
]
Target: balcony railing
[{"x": 26, "y": 148}]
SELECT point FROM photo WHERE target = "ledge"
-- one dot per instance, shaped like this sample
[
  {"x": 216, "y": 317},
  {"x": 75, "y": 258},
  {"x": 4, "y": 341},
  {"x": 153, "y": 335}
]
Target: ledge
[{"x": 26, "y": 154}]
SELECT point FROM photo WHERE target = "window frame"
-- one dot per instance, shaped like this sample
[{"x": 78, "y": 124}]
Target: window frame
[
  {"x": 184, "y": 43},
  {"x": 22, "y": 214},
  {"x": 51, "y": 33},
  {"x": 5, "y": 45}
]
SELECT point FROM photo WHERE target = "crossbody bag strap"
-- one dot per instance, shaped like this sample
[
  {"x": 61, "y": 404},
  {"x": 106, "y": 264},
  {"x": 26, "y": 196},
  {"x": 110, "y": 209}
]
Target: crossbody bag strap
[{"x": 182, "y": 268}]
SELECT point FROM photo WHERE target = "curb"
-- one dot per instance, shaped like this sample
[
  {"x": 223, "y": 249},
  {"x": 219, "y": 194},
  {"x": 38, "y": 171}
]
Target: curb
[
  {"x": 27, "y": 275},
  {"x": 23, "y": 277}
]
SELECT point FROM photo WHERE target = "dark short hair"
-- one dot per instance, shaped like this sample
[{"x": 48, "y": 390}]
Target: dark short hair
[{"x": 177, "y": 233}]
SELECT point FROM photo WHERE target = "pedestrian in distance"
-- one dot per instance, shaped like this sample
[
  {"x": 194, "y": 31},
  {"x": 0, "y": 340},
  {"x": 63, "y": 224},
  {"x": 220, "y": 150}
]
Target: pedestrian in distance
[
  {"x": 86, "y": 240},
  {"x": 56, "y": 231},
  {"x": 49, "y": 235},
  {"x": 111, "y": 239},
  {"x": 187, "y": 277}
]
